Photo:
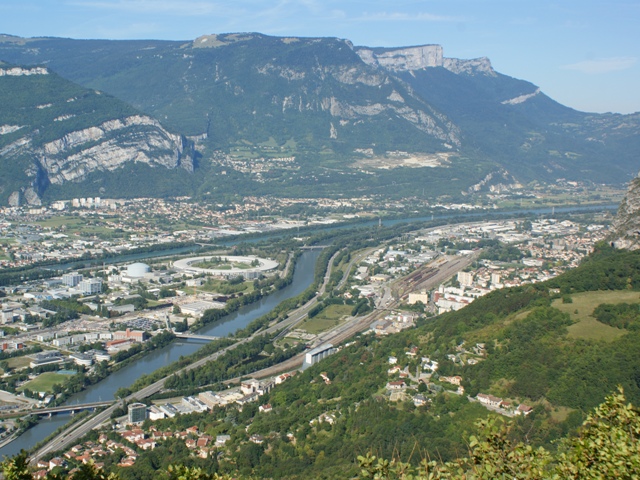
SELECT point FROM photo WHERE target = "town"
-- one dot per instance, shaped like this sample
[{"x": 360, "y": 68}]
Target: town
[{"x": 90, "y": 320}]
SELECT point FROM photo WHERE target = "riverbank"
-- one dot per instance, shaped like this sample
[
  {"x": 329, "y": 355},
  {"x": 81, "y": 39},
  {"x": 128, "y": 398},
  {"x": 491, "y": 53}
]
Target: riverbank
[
  {"x": 302, "y": 276},
  {"x": 231, "y": 323}
]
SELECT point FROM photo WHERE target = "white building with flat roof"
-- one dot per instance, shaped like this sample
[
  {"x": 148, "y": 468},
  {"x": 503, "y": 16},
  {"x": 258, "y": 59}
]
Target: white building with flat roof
[
  {"x": 314, "y": 356},
  {"x": 91, "y": 286}
]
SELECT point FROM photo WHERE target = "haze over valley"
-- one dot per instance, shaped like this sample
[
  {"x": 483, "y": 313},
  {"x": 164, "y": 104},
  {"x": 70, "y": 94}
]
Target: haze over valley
[{"x": 292, "y": 255}]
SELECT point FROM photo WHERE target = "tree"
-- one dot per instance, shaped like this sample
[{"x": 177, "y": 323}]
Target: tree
[
  {"x": 17, "y": 468},
  {"x": 607, "y": 447}
]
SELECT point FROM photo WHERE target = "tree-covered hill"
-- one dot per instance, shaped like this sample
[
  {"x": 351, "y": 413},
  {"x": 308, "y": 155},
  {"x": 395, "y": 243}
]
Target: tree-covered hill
[
  {"x": 529, "y": 359},
  {"x": 54, "y": 133},
  {"x": 344, "y": 114}
]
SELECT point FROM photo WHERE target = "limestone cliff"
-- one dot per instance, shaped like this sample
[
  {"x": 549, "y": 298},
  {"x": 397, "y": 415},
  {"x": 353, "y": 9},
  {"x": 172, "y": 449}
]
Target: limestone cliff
[
  {"x": 53, "y": 132},
  {"x": 105, "y": 147},
  {"x": 409, "y": 59},
  {"x": 627, "y": 222}
]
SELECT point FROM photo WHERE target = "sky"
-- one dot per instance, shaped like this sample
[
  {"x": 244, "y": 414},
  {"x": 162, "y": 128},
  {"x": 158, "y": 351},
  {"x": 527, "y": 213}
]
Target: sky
[{"x": 582, "y": 53}]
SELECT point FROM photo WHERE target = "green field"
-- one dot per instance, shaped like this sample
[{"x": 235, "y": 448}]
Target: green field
[
  {"x": 18, "y": 362},
  {"x": 55, "y": 222},
  {"x": 223, "y": 287},
  {"x": 222, "y": 265},
  {"x": 587, "y": 327},
  {"x": 45, "y": 382},
  {"x": 75, "y": 225},
  {"x": 328, "y": 318}
]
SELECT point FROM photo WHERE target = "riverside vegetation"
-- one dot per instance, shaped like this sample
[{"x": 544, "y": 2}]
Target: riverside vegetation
[
  {"x": 530, "y": 358},
  {"x": 606, "y": 447}
]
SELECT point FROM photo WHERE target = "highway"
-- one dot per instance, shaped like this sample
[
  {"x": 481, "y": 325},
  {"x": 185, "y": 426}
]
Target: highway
[
  {"x": 67, "y": 437},
  {"x": 75, "y": 432},
  {"x": 335, "y": 336}
]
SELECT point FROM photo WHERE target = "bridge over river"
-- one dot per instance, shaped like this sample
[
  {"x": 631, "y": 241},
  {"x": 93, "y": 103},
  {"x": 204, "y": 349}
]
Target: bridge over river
[
  {"x": 195, "y": 336},
  {"x": 65, "y": 408}
]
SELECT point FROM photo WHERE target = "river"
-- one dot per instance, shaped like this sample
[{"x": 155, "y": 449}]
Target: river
[
  {"x": 303, "y": 276},
  {"x": 104, "y": 390}
]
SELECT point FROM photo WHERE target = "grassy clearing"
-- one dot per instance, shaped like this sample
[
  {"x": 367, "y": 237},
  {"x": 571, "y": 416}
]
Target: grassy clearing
[
  {"x": 591, "y": 329},
  {"x": 328, "y": 318},
  {"x": 45, "y": 382},
  {"x": 55, "y": 222},
  {"x": 222, "y": 286},
  {"x": 560, "y": 414},
  {"x": 18, "y": 362},
  {"x": 587, "y": 327}
]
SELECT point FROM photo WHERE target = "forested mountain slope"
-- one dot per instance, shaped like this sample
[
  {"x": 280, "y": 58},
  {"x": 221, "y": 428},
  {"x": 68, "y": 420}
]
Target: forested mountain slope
[
  {"x": 410, "y": 116},
  {"x": 54, "y": 134}
]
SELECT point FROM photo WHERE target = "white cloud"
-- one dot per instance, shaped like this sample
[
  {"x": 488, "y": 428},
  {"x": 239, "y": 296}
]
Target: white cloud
[
  {"x": 602, "y": 65},
  {"x": 405, "y": 17}
]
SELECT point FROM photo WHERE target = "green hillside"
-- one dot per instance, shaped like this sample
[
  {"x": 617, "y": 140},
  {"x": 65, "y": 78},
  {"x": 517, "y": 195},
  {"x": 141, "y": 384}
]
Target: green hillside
[
  {"x": 315, "y": 99},
  {"x": 53, "y": 127},
  {"x": 341, "y": 408}
]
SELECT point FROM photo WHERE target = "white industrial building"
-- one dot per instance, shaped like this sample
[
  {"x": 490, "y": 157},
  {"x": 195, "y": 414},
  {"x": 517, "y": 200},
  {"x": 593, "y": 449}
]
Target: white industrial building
[
  {"x": 71, "y": 279},
  {"x": 314, "y": 356},
  {"x": 91, "y": 286},
  {"x": 263, "y": 265}
]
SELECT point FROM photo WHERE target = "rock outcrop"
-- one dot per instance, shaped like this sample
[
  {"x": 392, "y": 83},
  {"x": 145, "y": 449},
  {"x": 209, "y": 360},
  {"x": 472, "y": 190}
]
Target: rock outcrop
[
  {"x": 425, "y": 56},
  {"x": 105, "y": 147},
  {"x": 627, "y": 223}
]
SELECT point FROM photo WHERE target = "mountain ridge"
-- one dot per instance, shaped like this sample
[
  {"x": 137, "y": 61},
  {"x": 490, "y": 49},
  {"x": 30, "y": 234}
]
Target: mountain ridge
[
  {"x": 332, "y": 105},
  {"x": 74, "y": 133}
]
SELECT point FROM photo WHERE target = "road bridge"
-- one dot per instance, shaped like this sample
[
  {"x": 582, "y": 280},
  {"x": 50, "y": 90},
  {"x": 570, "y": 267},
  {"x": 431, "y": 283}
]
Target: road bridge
[
  {"x": 71, "y": 408},
  {"x": 195, "y": 336}
]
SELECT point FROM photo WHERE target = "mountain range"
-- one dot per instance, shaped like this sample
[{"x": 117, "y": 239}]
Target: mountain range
[{"x": 255, "y": 114}]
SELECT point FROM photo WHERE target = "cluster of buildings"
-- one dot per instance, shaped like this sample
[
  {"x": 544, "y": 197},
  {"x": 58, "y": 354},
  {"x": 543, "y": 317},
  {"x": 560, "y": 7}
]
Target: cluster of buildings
[
  {"x": 393, "y": 323},
  {"x": 503, "y": 406},
  {"x": 26, "y": 241},
  {"x": 548, "y": 248},
  {"x": 248, "y": 391},
  {"x": 136, "y": 438},
  {"x": 256, "y": 166},
  {"x": 55, "y": 357}
]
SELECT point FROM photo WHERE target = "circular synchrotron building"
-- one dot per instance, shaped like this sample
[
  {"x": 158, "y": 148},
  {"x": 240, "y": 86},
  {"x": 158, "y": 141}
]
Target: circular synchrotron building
[{"x": 251, "y": 272}]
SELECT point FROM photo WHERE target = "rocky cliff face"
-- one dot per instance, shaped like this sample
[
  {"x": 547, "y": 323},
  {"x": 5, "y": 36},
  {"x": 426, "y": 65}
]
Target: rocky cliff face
[
  {"x": 103, "y": 148},
  {"x": 425, "y": 56},
  {"x": 627, "y": 222},
  {"x": 110, "y": 146},
  {"x": 61, "y": 133}
]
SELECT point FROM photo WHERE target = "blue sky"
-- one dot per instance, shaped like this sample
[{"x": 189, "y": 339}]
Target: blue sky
[{"x": 584, "y": 54}]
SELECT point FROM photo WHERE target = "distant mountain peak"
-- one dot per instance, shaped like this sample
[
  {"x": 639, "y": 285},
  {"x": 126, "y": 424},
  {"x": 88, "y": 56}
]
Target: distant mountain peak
[{"x": 407, "y": 59}]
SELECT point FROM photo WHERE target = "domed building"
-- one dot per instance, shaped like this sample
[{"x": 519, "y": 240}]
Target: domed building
[{"x": 138, "y": 270}]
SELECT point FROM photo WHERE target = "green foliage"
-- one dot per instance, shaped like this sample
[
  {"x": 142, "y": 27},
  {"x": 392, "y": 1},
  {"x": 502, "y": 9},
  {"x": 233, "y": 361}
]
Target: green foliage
[
  {"x": 17, "y": 468},
  {"x": 502, "y": 253},
  {"x": 243, "y": 359},
  {"x": 605, "y": 269},
  {"x": 606, "y": 448},
  {"x": 621, "y": 315}
]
